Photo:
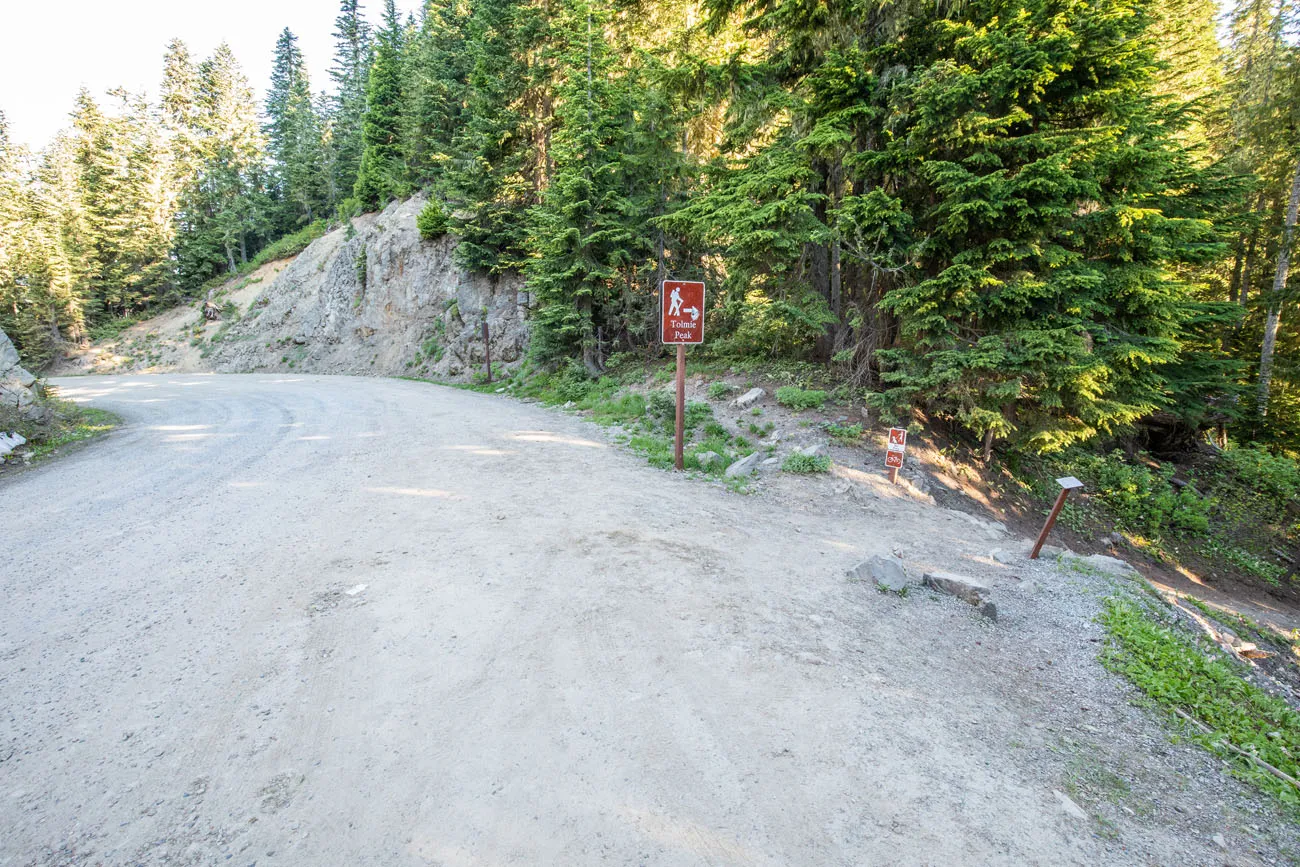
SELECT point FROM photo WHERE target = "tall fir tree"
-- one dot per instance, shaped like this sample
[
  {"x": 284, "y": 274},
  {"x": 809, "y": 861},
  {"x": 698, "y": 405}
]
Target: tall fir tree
[
  {"x": 382, "y": 175},
  {"x": 353, "y": 55},
  {"x": 437, "y": 69},
  {"x": 500, "y": 154},
  {"x": 294, "y": 139},
  {"x": 580, "y": 236}
]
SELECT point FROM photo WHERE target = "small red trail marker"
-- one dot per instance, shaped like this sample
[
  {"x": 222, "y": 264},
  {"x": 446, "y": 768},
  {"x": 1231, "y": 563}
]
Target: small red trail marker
[
  {"x": 894, "y": 454},
  {"x": 681, "y": 322}
]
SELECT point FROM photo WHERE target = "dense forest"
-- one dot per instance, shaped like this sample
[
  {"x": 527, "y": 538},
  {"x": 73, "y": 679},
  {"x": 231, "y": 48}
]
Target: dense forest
[{"x": 1045, "y": 221}]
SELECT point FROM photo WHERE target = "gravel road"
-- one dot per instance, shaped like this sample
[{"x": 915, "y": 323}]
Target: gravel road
[{"x": 342, "y": 621}]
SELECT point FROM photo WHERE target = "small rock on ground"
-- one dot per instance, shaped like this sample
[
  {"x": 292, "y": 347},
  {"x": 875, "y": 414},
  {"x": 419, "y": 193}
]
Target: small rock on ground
[
  {"x": 744, "y": 466},
  {"x": 749, "y": 398},
  {"x": 966, "y": 589},
  {"x": 886, "y": 573}
]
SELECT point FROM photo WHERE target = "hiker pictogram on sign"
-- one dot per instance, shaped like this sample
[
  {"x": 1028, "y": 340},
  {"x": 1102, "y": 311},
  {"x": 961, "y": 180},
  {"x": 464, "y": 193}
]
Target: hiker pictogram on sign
[{"x": 682, "y": 311}]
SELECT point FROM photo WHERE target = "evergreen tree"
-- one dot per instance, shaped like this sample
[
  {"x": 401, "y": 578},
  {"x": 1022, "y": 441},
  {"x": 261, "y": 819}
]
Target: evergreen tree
[
  {"x": 294, "y": 138},
  {"x": 1043, "y": 303},
  {"x": 381, "y": 176},
  {"x": 436, "y": 72},
  {"x": 500, "y": 150},
  {"x": 580, "y": 237},
  {"x": 353, "y": 54},
  {"x": 225, "y": 213}
]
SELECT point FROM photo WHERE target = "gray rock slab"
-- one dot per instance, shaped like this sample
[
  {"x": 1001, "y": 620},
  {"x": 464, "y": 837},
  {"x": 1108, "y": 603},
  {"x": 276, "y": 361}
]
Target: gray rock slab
[
  {"x": 749, "y": 398},
  {"x": 966, "y": 589},
  {"x": 887, "y": 573},
  {"x": 744, "y": 466}
]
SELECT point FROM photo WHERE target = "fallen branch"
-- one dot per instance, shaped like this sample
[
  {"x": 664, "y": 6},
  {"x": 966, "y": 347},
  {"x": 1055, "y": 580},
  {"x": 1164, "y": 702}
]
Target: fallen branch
[{"x": 1280, "y": 774}]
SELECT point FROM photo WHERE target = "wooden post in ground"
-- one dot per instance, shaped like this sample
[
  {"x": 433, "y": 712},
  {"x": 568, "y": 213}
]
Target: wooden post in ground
[
  {"x": 1069, "y": 483},
  {"x": 681, "y": 407},
  {"x": 487, "y": 350},
  {"x": 893, "y": 475}
]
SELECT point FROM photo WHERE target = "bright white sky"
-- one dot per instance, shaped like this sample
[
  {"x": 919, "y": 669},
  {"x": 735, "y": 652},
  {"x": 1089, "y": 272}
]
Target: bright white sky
[{"x": 50, "y": 48}]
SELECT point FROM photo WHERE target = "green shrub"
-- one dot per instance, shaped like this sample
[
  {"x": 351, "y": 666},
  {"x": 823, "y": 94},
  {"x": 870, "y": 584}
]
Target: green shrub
[
  {"x": 431, "y": 221},
  {"x": 662, "y": 405},
  {"x": 111, "y": 329},
  {"x": 798, "y": 462},
  {"x": 719, "y": 390},
  {"x": 848, "y": 433},
  {"x": 799, "y": 399},
  {"x": 1266, "y": 473},
  {"x": 347, "y": 209},
  {"x": 1139, "y": 497},
  {"x": 289, "y": 245},
  {"x": 361, "y": 266}
]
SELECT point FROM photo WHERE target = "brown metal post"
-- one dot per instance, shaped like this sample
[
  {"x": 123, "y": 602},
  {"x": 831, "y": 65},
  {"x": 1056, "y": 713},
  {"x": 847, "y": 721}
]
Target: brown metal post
[
  {"x": 487, "y": 350},
  {"x": 681, "y": 406},
  {"x": 1051, "y": 521}
]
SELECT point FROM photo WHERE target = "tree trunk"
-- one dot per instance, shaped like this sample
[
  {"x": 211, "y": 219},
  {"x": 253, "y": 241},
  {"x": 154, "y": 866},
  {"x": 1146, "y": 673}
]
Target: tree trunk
[{"x": 1275, "y": 297}]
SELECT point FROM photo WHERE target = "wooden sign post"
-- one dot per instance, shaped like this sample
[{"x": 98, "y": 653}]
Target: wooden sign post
[
  {"x": 1069, "y": 483},
  {"x": 681, "y": 322},
  {"x": 894, "y": 454}
]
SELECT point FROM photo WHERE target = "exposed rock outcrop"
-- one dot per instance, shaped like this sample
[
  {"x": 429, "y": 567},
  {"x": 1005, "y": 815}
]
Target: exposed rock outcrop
[
  {"x": 378, "y": 299},
  {"x": 18, "y": 398}
]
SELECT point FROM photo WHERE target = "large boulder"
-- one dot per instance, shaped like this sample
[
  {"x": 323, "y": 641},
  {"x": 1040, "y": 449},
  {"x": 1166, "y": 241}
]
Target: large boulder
[{"x": 18, "y": 400}]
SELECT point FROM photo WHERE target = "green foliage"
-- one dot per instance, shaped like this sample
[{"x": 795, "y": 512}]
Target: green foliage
[
  {"x": 382, "y": 173},
  {"x": 798, "y": 462},
  {"x": 1181, "y": 673},
  {"x": 849, "y": 433},
  {"x": 800, "y": 399},
  {"x": 289, "y": 245},
  {"x": 361, "y": 266},
  {"x": 719, "y": 390},
  {"x": 111, "y": 329},
  {"x": 1140, "y": 497},
  {"x": 1275, "y": 477},
  {"x": 431, "y": 221}
]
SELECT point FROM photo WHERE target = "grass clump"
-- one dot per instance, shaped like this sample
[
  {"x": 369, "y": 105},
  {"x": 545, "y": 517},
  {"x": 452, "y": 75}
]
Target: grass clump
[
  {"x": 1180, "y": 673},
  {"x": 796, "y": 398},
  {"x": 798, "y": 462},
  {"x": 719, "y": 390},
  {"x": 846, "y": 433}
]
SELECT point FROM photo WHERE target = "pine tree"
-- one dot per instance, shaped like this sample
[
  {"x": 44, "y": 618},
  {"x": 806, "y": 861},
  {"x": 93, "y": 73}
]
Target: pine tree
[
  {"x": 436, "y": 72},
  {"x": 294, "y": 138},
  {"x": 500, "y": 152},
  {"x": 225, "y": 213},
  {"x": 353, "y": 55},
  {"x": 1044, "y": 304},
  {"x": 580, "y": 237},
  {"x": 382, "y": 173}
]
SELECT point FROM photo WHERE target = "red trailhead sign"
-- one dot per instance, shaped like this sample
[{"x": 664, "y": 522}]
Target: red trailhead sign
[
  {"x": 897, "y": 445},
  {"x": 681, "y": 311}
]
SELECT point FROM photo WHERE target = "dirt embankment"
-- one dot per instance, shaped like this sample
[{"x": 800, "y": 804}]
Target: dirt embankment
[{"x": 370, "y": 297}]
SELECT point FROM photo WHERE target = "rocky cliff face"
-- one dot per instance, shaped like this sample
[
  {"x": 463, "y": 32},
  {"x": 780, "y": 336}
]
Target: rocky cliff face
[{"x": 377, "y": 299}]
